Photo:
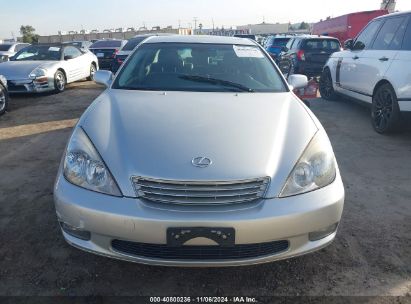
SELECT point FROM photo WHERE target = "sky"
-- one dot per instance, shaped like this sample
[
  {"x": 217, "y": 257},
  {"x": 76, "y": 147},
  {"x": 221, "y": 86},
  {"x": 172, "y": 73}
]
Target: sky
[{"x": 50, "y": 16}]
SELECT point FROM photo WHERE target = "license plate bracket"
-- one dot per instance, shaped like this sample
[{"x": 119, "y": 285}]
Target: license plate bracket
[{"x": 177, "y": 237}]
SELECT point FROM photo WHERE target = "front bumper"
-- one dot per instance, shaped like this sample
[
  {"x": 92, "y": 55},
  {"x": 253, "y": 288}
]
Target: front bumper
[
  {"x": 30, "y": 86},
  {"x": 110, "y": 218}
]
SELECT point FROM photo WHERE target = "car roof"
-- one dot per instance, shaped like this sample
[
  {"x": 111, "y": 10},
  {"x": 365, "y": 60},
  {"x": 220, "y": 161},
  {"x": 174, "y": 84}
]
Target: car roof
[
  {"x": 316, "y": 37},
  {"x": 110, "y": 39},
  {"x": 150, "y": 35},
  {"x": 50, "y": 44},
  {"x": 199, "y": 39},
  {"x": 394, "y": 15}
]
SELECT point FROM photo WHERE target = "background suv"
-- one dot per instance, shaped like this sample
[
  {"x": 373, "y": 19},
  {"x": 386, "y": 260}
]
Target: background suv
[
  {"x": 375, "y": 68},
  {"x": 308, "y": 54}
]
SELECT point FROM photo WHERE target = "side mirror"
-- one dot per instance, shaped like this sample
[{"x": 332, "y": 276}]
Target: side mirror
[
  {"x": 284, "y": 49},
  {"x": 68, "y": 57},
  {"x": 297, "y": 81},
  {"x": 349, "y": 44},
  {"x": 103, "y": 77}
]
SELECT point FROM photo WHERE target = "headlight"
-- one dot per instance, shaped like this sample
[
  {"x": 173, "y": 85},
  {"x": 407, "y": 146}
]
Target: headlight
[
  {"x": 315, "y": 169},
  {"x": 84, "y": 167},
  {"x": 37, "y": 73}
]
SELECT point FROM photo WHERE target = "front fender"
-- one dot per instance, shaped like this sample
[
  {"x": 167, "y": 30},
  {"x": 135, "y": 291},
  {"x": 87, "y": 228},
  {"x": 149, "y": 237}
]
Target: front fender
[{"x": 3, "y": 81}]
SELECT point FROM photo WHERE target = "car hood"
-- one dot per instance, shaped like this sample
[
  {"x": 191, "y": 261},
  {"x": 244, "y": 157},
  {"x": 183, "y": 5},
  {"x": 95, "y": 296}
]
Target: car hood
[
  {"x": 15, "y": 70},
  {"x": 157, "y": 135}
]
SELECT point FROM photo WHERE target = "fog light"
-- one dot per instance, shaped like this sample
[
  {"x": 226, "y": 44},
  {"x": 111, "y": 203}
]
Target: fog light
[
  {"x": 76, "y": 232},
  {"x": 320, "y": 234}
]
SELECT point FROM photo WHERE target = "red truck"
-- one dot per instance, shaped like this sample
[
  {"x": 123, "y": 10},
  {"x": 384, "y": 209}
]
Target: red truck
[{"x": 346, "y": 26}]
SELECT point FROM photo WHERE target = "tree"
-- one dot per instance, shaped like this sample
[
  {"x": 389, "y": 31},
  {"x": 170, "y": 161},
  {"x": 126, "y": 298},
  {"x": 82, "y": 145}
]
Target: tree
[
  {"x": 29, "y": 34},
  {"x": 304, "y": 26}
]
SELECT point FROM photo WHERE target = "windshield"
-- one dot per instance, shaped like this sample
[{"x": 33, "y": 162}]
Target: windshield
[
  {"x": 199, "y": 67},
  {"x": 5, "y": 47},
  {"x": 132, "y": 43},
  {"x": 106, "y": 44},
  {"x": 37, "y": 52}
]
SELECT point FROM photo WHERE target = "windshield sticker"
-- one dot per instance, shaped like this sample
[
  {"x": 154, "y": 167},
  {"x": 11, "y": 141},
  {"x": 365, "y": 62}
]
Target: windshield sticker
[
  {"x": 54, "y": 49},
  {"x": 246, "y": 51}
]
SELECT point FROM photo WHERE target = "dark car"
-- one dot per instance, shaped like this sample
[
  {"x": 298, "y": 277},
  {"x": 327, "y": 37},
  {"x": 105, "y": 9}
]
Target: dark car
[
  {"x": 309, "y": 54},
  {"x": 127, "y": 49},
  {"x": 247, "y": 36},
  {"x": 106, "y": 50},
  {"x": 274, "y": 45}
]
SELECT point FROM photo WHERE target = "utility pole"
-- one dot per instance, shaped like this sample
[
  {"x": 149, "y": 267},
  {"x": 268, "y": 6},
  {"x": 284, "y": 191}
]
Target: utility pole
[{"x": 195, "y": 24}]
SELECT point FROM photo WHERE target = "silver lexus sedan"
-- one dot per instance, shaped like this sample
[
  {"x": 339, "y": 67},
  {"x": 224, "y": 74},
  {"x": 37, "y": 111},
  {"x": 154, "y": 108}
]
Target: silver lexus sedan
[{"x": 199, "y": 154}]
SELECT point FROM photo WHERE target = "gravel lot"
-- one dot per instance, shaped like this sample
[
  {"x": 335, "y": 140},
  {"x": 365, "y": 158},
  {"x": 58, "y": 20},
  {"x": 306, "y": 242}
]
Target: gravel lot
[{"x": 371, "y": 255}]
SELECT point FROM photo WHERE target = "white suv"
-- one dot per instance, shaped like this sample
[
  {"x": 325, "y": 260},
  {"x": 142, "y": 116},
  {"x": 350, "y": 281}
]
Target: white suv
[{"x": 375, "y": 68}]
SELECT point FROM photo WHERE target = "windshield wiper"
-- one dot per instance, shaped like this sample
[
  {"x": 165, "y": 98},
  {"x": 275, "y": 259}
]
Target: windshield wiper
[{"x": 216, "y": 81}]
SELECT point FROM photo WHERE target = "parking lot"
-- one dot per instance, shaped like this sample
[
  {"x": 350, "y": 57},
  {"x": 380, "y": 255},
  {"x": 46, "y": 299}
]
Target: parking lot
[{"x": 371, "y": 254}]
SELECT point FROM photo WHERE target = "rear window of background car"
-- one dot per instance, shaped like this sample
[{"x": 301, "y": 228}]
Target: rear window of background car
[
  {"x": 280, "y": 41},
  {"x": 107, "y": 44},
  {"x": 321, "y": 44}
]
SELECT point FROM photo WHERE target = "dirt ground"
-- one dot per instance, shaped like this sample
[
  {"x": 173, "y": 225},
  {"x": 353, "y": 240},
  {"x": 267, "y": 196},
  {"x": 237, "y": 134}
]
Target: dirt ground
[{"x": 371, "y": 255}]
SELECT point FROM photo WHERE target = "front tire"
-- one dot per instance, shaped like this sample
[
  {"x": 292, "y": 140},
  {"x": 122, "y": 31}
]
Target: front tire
[
  {"x": 326, "y": 86},
  {"x": 93, "y": 71},
  {"x": 59, "y": 82},
  {"x": 385, "y": 111},
  {"x": 4, "y": 99}
]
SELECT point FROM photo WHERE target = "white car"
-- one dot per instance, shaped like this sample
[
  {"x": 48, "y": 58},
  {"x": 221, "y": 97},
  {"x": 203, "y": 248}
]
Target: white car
[
  {"x": 375, "y": 68},
  {"x": 8, "y": 50},
  {"x": 48, "y": 67}
]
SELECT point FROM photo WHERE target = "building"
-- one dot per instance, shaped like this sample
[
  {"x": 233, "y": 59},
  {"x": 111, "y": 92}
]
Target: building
[
  {"x": 108, "y": 34},
  {"x": 264, "y": 28},
  {"x": 346, "y": 26}
]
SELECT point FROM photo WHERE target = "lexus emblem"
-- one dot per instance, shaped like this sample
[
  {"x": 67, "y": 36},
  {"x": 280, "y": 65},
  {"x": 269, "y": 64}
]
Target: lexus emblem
[{"x": 201, "y": 162}]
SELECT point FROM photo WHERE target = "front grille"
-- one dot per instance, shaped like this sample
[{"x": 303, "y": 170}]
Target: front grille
[
  {"x": 200, "y": 193},
  {"x": 154, "y": 251},
  {"x": 15, "y": 88}
]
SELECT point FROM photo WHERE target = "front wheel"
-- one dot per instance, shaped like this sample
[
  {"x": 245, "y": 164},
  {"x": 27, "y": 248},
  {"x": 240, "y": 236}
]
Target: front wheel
[
  {"x": 385, "y": 111},
  {"x": 59, "y": 82},
  {"x": 326, "y": 86},
  {"x": 4, "y": 99},
  {"x": 93, "y": 70}
]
